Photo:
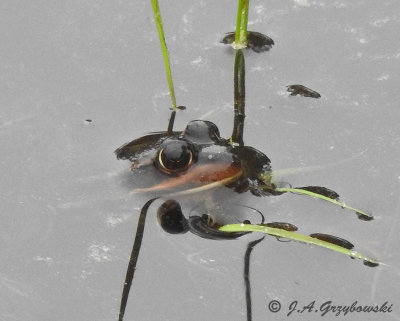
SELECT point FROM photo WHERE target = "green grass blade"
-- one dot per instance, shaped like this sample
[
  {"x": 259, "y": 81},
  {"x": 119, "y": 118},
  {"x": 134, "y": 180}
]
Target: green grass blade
[
  {"x": 297, "y": 237},
  {"x": 362, "y": 214},
  {"x": 157, "y": 17},
  {"x": 238, "y": 21},
  {"x": 241, "y": 25}
]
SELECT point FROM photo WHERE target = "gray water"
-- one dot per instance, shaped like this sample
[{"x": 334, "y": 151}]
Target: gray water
[{"x": 67, "y": 219}]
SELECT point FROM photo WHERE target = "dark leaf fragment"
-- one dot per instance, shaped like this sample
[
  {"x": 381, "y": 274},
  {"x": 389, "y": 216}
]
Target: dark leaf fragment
[
  {"x": 321, "y": 191},
  {"x": 302, "y": 91},
  {"x": 333, "y": 239},
  {"x": 281, "y": 225},
  {"x": 256, "y": 41}
]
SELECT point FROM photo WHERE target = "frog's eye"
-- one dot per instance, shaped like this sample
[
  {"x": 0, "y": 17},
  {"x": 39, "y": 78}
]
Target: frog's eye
[{"x": 175, "y": 156}]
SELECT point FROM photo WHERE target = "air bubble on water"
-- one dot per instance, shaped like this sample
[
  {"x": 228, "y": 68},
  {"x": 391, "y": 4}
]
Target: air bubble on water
[
  {"x": 99, "y": 253},
  {"x": 47, "y": 260},
  {"x": 383, "y": 77},
  {"x": 353, "y": 254},
  {"x": 303, "y": 3}
]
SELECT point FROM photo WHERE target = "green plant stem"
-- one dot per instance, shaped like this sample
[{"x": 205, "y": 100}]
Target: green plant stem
[
  {"x": 238, "y": 21},
  {"x": 241, "y": 24},
  {"x": 296, "y": 237},
  {"x": 157, "y": 17},
  {"x": 316, "y": 195}
]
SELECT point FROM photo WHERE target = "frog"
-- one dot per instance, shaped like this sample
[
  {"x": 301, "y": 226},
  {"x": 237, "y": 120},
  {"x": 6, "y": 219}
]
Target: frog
[
  {"x": 198, "y": 156},
  {"x": 196, "y": 160}
]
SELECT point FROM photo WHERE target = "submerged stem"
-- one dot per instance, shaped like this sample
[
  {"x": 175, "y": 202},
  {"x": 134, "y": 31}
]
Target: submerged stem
[
  {"x": 171, "y": 122},
  {"x": 246, "y": 275},
  {"x": 134, "y": 258},
  {"x": 239, "y": 97},
  {"x": 157, "y": 17}
]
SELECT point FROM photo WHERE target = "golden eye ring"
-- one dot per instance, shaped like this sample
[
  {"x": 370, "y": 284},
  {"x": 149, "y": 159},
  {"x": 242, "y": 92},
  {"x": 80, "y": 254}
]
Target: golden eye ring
[{"x": 175, "y": 157}]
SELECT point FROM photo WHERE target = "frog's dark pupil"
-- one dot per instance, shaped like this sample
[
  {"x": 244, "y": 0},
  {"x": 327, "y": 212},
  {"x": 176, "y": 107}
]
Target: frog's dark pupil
[{"x": 175, "y": 156}]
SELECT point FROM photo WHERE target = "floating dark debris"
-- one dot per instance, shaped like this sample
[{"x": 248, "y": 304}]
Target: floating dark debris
[
  {"x": 333, "y": 239},
  {"x": 321, "y": 191},
  {"x": 370, "y": 264},
  {"x": 256, "y": 41},
  {"x": 282, "y": 225},
  {"x": 302, "y": 91},
  {"x": 179, "y": 108},
  {"x": 200, "y": 226},
  {"x": 364, "y": 217}
]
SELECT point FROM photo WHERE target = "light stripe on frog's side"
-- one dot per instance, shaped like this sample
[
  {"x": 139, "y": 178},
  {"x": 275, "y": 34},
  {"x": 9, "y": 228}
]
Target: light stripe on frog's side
[{"x": 209, "y": 176}]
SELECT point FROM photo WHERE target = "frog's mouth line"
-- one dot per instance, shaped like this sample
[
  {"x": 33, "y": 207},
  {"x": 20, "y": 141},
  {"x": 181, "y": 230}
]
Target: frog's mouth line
[{"x": 207, "y": 176}]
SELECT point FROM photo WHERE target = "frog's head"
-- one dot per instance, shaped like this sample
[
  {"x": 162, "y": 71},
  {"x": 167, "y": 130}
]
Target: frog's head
[{"x": 193, "y": 160}]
